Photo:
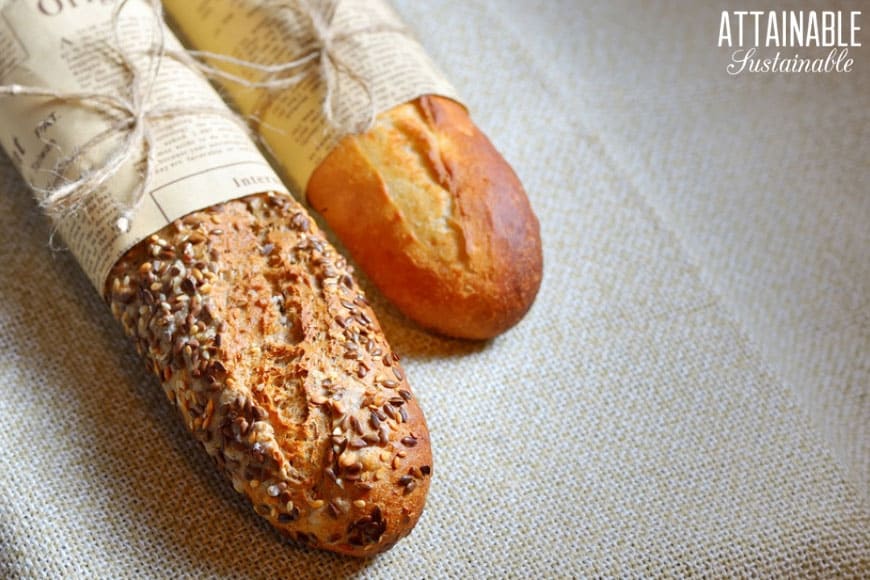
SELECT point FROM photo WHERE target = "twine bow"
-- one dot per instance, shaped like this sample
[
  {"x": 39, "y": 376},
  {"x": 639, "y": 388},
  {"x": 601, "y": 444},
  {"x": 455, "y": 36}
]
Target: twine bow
[
  {"x": 133, "y": 114},
  {"x": 320, "y": 50}
]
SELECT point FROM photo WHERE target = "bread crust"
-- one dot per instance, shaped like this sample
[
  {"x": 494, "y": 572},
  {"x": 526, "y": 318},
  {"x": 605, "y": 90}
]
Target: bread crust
[
  {"x": 435, "y": 217},
  {"x": 277, "y": 365}
]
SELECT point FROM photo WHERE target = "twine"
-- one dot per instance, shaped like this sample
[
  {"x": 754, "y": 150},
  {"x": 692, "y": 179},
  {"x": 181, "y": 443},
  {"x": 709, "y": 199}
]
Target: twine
[
  {"x": 320, "y": 52},
  {"x": 135, "y": 115}
]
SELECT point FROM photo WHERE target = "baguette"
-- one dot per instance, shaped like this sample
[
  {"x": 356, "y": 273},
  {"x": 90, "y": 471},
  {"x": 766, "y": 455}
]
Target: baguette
[
  {"x": 423, "y": 202},
  {"x": 278, "y": 367},
  {"x": 435, "y": 217}
]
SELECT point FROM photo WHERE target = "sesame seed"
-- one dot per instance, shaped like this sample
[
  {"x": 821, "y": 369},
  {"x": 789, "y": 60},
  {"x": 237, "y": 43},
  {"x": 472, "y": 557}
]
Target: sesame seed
[{"x": 334, "y": 511}]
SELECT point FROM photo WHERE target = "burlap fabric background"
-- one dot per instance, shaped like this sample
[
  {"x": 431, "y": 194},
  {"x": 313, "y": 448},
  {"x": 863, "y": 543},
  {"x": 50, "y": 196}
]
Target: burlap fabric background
[{"x": 689, "y": 394}]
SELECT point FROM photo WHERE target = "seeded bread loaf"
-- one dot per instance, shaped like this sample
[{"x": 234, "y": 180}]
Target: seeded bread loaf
[
  {"x": 270, "y": 352},
  {"x": 435, "y": 217}
]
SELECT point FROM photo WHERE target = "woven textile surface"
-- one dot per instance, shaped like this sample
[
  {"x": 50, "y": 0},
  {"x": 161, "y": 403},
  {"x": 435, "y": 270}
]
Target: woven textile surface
[{"x": 689, "y": 394}]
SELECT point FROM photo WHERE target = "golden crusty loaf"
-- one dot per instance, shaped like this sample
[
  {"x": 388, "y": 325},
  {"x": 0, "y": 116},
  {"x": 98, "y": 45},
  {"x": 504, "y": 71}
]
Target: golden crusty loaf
[
  {"x": 435, "y": 217},
  {"x": 271, "y": 354}
]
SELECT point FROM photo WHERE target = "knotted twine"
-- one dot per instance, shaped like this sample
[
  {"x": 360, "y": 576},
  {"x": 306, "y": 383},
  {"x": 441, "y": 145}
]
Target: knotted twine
[
  {"x": 134, "y": 116},
  {"x": 320, "y": 52}
]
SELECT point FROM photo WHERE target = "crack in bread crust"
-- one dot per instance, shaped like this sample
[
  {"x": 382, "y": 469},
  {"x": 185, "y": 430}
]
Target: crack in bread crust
[{"x": 277, "y": 365}]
